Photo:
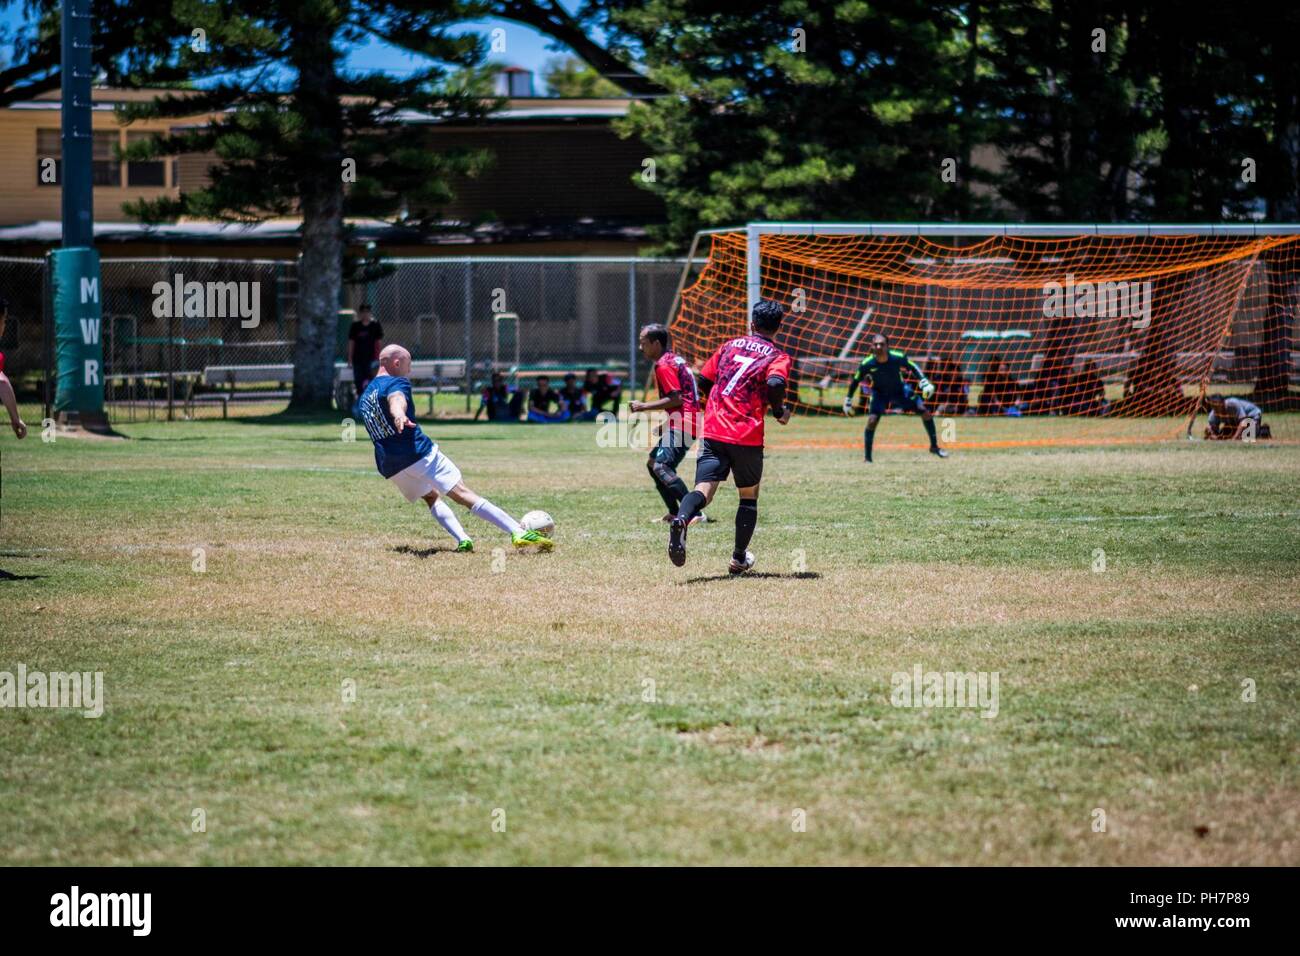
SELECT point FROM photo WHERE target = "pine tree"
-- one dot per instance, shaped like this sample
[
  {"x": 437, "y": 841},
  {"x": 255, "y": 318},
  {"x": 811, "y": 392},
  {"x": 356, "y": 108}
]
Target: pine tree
[
  {"x": 813, "y": 110},
  {"x": 298, "y": 134}
]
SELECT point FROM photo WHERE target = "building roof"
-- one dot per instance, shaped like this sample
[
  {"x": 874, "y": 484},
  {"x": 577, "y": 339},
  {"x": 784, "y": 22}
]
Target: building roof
[
  {"x": 363, "y": 230},
  {"x": 521, "y": 108}
]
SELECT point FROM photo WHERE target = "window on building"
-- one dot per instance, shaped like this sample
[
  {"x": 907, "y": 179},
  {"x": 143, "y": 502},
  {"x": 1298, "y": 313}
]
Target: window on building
[
  {"x": 49, "y": 146},
  {"x": 152, "y": 172},
  {"x": 106, "y": 167}
]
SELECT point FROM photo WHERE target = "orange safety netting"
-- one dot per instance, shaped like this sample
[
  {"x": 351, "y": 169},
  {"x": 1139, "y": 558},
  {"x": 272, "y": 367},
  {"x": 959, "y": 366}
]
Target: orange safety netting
[{"x": 1100, "y": 328}]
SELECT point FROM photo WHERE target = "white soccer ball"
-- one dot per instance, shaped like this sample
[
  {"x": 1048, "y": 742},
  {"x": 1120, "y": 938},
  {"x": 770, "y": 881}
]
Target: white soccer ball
[{"x": 538, "y": 521}]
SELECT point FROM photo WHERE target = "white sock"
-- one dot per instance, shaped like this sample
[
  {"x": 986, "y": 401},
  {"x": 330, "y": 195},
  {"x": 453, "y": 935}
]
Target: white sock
[
  {"x": 490, "y": 512},
  {"x": 447, "y": 518}
]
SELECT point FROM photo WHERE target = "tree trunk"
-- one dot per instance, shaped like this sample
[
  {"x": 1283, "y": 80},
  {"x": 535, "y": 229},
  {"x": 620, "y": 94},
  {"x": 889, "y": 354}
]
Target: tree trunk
[
  {"x": 320, "y": 271},
  {"x": 320, "y": 280}
]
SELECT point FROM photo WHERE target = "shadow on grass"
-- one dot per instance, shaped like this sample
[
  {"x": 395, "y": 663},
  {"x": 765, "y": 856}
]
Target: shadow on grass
[
  {"x": 421, "y": 552},
  {"x": 327, "y": 416},
  {"x": 9, "y": 576},
  {"x": 793, "y": 576}
]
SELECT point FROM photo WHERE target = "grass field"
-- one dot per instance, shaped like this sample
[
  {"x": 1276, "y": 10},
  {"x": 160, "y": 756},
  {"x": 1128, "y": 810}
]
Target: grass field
[{"x": 612, "y": 709}]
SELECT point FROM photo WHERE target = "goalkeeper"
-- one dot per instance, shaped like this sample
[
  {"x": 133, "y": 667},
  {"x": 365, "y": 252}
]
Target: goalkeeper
[{"x": 883, "y": 370}]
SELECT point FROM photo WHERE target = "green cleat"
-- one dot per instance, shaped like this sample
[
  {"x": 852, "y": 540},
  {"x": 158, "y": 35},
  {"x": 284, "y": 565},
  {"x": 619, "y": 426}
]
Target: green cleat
[
  {"x": 466, "y": 546},
  {"x": 522, "y": 539}
]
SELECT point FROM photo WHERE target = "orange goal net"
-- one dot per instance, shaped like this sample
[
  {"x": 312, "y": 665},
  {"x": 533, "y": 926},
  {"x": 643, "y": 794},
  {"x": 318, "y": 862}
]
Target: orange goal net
[{"x": 1124, "y": 329}]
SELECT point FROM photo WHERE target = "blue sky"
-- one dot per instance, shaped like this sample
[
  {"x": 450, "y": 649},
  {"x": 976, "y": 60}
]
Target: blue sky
[{"x": 524, "y": 46}]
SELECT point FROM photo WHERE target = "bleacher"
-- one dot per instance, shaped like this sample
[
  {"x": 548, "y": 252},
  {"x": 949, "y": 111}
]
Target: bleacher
[{"x": 274, "y": 381}]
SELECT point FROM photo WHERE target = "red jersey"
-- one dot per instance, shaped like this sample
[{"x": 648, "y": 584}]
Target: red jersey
[
  {"x": 738, "y": 402},
  {"x": 672, "y": 374}
]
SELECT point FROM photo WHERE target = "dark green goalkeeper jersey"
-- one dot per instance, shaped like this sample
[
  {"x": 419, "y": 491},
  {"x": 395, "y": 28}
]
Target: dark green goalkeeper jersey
[{"x": 886, "y": 377}]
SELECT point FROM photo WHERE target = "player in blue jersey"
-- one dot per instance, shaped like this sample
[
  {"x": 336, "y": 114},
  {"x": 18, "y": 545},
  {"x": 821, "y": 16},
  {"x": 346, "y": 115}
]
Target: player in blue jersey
[{"x": 406, "y": 457}]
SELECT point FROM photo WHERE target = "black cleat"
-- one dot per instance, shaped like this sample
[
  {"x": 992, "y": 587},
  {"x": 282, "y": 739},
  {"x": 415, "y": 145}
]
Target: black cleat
[
  {"x": 677, "y": 542},
  {"x": 936, "y": 450}
]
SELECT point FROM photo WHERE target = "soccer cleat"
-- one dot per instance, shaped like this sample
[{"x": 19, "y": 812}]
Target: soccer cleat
[
  {"x": 936, "y": 450},
  {"x": 522, "y": 539},
  {"x": 677, "y": 542},
  {"x": 466, "y": 546},
  {"x": 700, "y": 518},
  {"x": 740, "y": 567}
]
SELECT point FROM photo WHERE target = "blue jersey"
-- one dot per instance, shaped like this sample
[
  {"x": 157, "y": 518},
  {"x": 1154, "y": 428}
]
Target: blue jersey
[{"x": 393, "y": 452}]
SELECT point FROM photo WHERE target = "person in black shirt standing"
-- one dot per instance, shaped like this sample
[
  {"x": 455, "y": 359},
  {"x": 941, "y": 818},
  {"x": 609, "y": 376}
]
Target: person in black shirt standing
[{"x": 365, "y": 340}]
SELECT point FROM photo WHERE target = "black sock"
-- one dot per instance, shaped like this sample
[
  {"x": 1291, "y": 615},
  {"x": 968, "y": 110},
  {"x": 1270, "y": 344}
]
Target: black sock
[
  {"x": 746, "y": 521},
  {"x": 929, "y": 428},
  {"x": 678, "y": 491},
  {"x": 691, "y": 505},
  {"x": 868, "y": 436}
]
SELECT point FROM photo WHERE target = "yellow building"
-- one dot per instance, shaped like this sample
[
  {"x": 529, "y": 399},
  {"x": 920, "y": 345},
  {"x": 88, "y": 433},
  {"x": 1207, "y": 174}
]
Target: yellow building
[
  {"x": 561, "y": 183},
  {"x": 30, "y": 151}
]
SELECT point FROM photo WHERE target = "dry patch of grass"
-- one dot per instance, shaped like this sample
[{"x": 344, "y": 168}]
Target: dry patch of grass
[{"x": 619, "y": 710}]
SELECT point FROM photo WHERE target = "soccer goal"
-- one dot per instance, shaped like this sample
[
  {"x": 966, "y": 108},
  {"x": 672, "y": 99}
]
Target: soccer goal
[{"x": 1096, "y": 332}]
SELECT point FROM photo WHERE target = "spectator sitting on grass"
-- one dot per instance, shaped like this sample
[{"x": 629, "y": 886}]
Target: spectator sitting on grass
[
  {"x": 950, "y": 388},
  {"x": 573, "y": 398},
  {"x": 998, "y": 395},
  {"x": 602, "y": 391},
  {"x": 545, "y": 405},
  {"x": 500, "y": 403},
  {"x": 1085, "y": 392},
  {"x": 1231, "y": 418}
]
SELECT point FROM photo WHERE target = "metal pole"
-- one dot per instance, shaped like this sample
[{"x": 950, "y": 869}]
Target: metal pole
[
  {"x": 753, "y": 276},
  {"x": 76, "y": 172},
  {"x": 631, "y": 329},
  {"x": 469, "y": 291},
  {"x": 171, "y": 365}
]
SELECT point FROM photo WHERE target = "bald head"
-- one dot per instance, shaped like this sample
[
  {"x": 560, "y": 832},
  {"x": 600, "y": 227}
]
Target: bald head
[{"x": 395, "y": 360}]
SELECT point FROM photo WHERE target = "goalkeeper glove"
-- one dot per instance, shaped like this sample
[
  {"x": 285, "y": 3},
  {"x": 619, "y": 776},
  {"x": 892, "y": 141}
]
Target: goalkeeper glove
[
  {"x": 927, "y": 389},
  {"x": 848, "y": 405}
]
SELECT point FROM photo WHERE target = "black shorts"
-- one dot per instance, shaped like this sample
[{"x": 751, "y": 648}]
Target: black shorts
[
  {"x": 718, "y": 459},
  {"x": 672, "y": 448},
  {"x": 906, "y": 403}
]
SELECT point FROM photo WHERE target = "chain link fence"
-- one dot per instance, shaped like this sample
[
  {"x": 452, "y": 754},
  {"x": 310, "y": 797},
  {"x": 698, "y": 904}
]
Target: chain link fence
[
  {"x": 569, "y": 313},
  {"x": 186, "y": 338},
  {"x": 25, "y": 343}
]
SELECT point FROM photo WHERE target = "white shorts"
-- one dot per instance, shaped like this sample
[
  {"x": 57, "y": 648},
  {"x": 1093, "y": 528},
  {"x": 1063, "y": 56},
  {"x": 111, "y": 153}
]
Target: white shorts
[{"x": 434, "y": 472}]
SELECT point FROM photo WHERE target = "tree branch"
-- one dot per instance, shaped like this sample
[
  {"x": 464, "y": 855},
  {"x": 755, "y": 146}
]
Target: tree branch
[{"x": 556, "y": 22}]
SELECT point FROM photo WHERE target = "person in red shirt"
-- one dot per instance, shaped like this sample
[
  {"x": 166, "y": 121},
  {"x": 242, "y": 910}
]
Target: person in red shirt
[
  {"x": 679, "y": 396},
  {"x": 7, "y": 395},
  {"x": 743, "y": 379}
]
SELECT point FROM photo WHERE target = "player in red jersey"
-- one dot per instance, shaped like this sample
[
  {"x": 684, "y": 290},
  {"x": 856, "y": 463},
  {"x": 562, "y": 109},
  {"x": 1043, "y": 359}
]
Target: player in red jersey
[
  {"x": 743, "y": 379},
  {"x": 6, "y": 387},
  {"x": 680, "y": 398}
]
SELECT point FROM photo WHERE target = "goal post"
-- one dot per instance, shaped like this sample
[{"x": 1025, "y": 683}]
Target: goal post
[{"x": 1120, "y": 328}]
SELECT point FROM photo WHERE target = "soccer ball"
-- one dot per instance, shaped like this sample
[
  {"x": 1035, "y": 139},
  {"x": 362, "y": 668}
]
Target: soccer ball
[{"x": 538, "y": 521}]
